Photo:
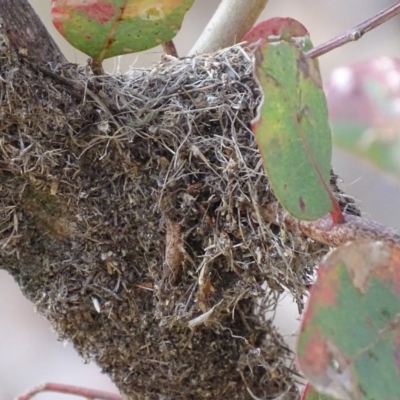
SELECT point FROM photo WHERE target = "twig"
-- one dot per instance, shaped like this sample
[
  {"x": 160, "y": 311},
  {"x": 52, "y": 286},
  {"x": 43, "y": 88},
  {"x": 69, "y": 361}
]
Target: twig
[
  {"x": 169, "y": 48},
  {"x": 357, "y": 32},
  {"x": 89, "y": 394},
  {"x": 232, "y": 20},
  {"x": 325, "y": 231}
]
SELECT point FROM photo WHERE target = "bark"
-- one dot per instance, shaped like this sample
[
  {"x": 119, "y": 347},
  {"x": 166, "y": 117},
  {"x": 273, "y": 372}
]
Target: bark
[{"x": 27, "y": 34}]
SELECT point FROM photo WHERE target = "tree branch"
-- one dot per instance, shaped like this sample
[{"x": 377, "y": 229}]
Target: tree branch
[
  {"x": 357, "y": 32},
  {"x": 26, "y": 32},
  {"x": 232, "y": 20},
  {"x": 325, "y": 231}
]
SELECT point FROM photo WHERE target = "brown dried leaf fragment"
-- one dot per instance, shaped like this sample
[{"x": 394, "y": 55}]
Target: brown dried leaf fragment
[{"x": 174, "y": 250}]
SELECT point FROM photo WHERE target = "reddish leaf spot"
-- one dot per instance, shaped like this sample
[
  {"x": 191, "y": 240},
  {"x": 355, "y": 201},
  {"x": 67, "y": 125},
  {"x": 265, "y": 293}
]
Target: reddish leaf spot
[
  {"x": 100, "y": 12},
  {"x": 326, "y": 286},
  {"x": 316, "y": 355},
  {"x": 278, "y": 27},
  {"x": 58, "y": 16},
  {"x": 323, "y": 292}
]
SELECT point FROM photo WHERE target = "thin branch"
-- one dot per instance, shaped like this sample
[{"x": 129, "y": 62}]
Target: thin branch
[
  {"x": 357, "y": 32},
  {"x": 232, "y": 20},
  {"x": 325, "y": 231},
  {"x": 68, "y": 389}
]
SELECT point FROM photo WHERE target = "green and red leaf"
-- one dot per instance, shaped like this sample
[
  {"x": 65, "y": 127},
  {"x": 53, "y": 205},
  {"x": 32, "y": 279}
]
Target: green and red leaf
[
  {"x": 108, "y": 28},
  {"x": 291, "y": 127},
  {"x": 349, "y": 344}
]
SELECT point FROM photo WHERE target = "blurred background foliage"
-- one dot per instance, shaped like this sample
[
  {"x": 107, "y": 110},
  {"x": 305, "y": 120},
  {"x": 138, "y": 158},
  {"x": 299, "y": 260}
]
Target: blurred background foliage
[{"x": 29, "y": 350}]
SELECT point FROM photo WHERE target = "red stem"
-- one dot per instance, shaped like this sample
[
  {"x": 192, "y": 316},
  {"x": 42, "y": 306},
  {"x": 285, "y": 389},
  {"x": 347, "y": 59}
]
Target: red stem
[
  {"x": 326, "y": 231},
  {"x": 89, "y": 394}
]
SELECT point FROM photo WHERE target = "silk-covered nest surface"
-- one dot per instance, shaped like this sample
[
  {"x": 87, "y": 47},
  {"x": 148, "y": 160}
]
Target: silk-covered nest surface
[{"x": 131, "y": 216}]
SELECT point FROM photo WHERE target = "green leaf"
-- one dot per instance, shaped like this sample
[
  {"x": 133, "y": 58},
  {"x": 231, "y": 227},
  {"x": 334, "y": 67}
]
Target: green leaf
[
  {"x": 349, "y": 345},
  {"x": 108, "y": 28},
  {"x": 292, "y": 128}
]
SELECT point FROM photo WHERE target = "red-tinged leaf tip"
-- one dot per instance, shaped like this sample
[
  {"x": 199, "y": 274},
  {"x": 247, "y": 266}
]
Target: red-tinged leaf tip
[
  {"x": 336, "y": 213},
  {"x": 283, "y": 28}
]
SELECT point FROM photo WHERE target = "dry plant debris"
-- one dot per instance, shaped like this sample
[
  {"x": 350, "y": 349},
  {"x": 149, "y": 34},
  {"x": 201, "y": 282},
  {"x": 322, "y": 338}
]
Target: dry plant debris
[{"x": 131, "y": 218}]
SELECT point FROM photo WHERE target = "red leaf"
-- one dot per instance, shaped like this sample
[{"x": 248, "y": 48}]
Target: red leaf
[{"x": 284, "y": 28}]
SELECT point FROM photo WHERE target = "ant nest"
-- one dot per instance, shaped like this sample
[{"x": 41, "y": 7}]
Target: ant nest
[{"x": 133, "y": 220}]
